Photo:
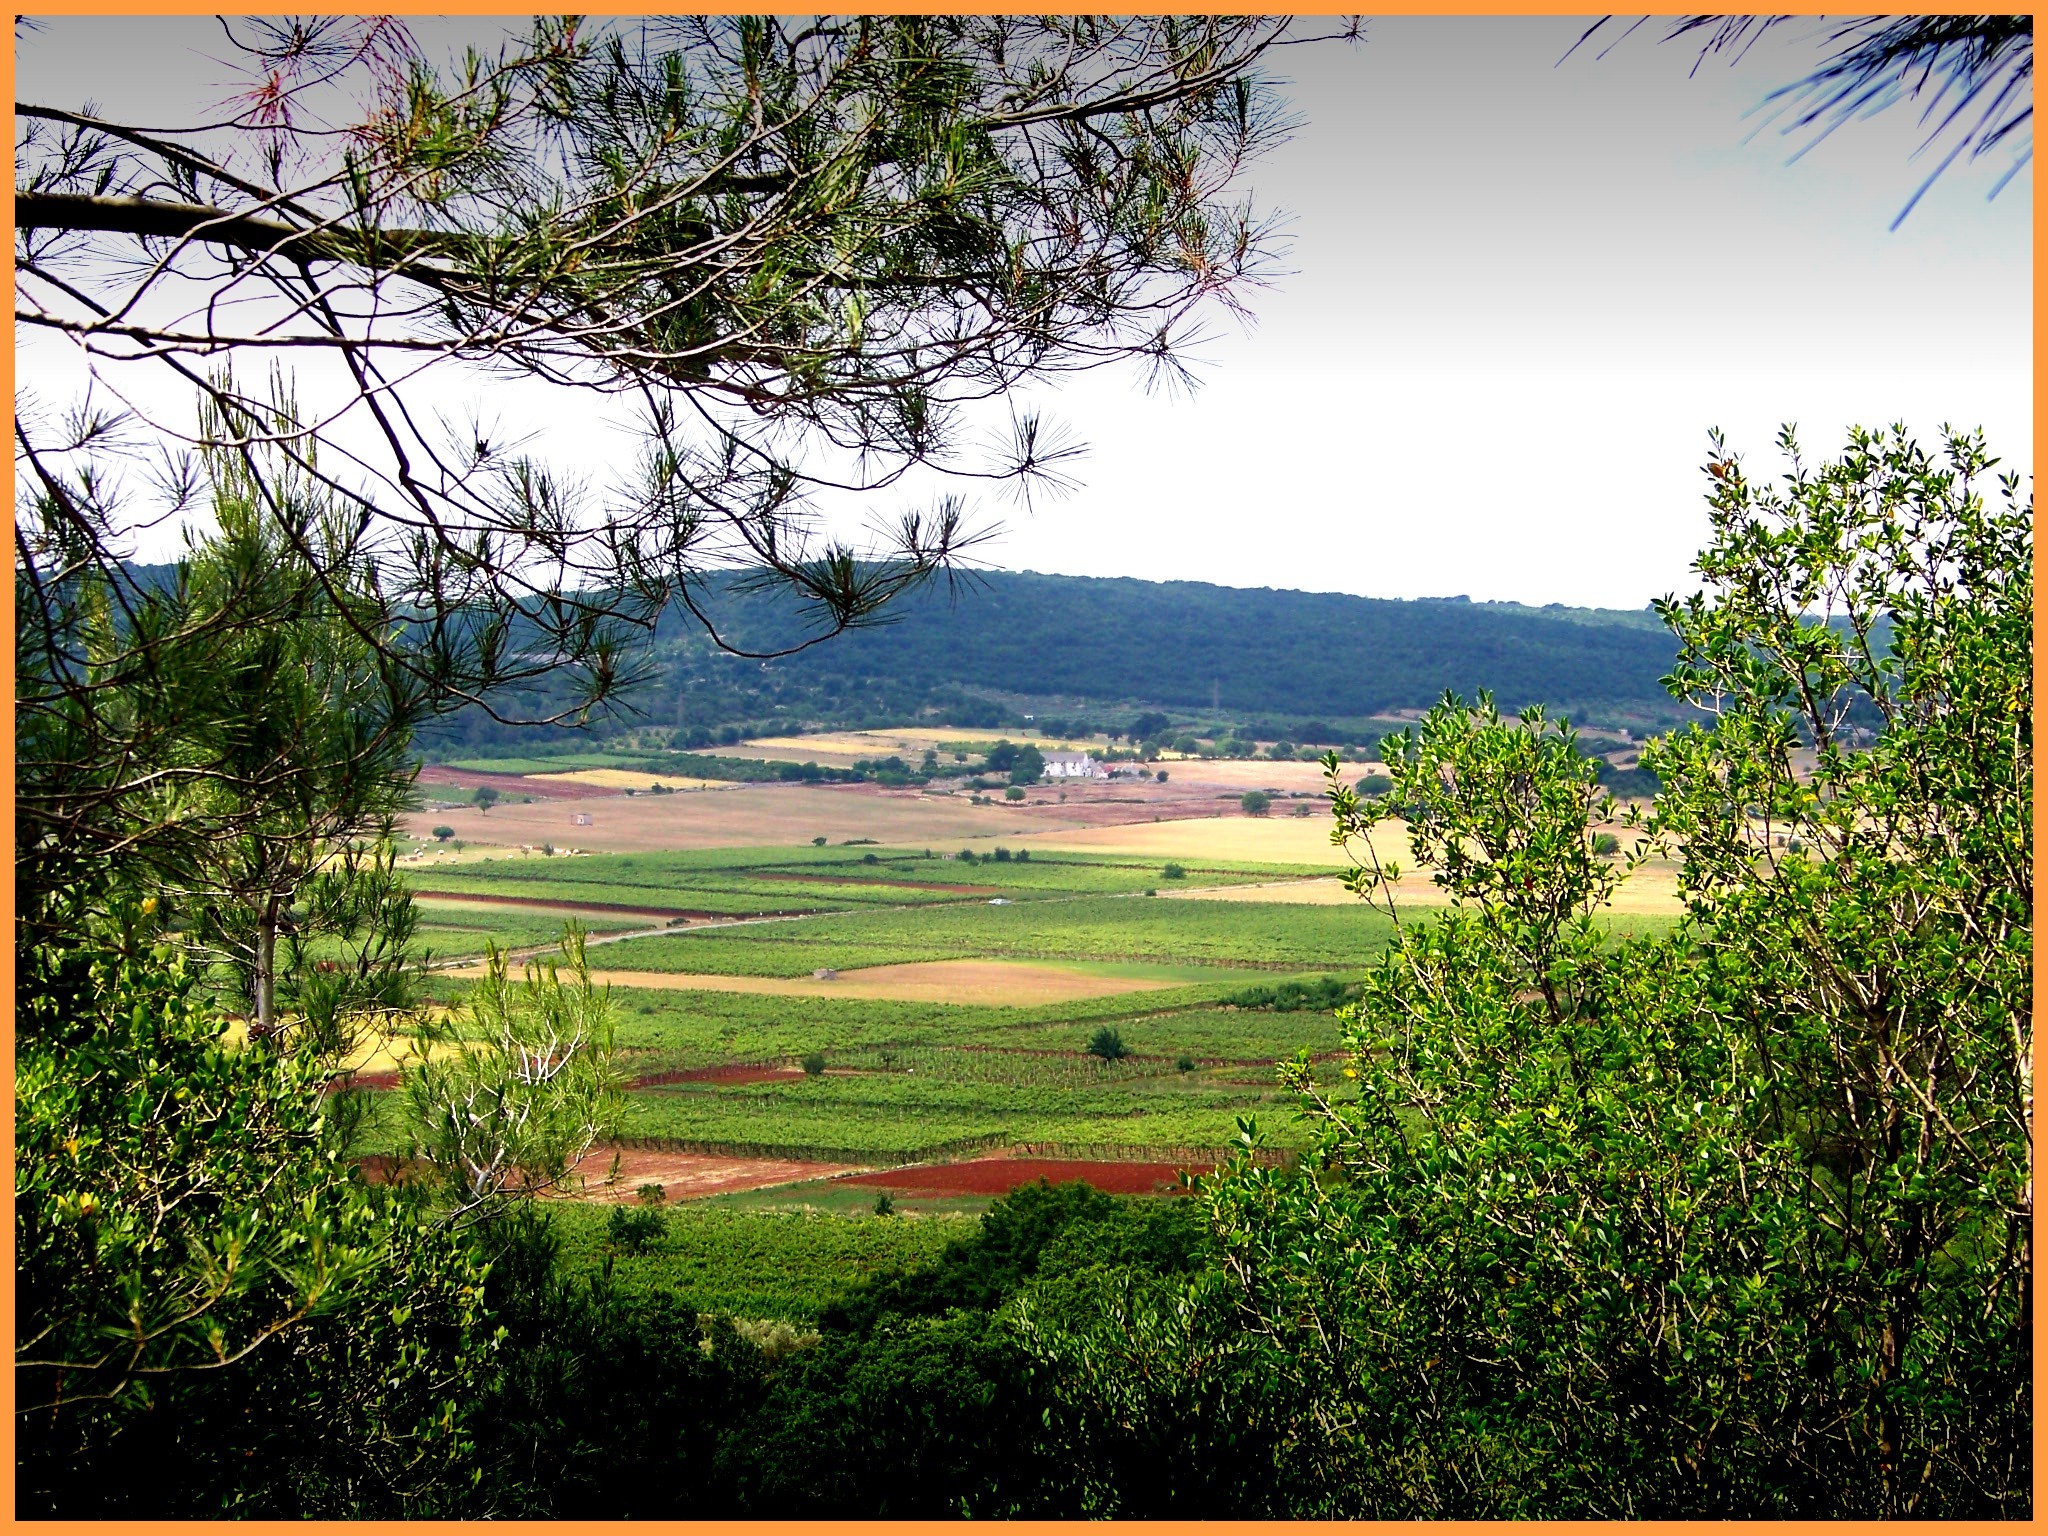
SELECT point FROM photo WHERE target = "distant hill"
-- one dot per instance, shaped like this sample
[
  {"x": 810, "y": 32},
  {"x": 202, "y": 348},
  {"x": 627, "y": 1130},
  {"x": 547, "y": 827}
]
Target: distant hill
[
  {"x": 986, "y": 651},
  {"x": 1240, "y": 650}
]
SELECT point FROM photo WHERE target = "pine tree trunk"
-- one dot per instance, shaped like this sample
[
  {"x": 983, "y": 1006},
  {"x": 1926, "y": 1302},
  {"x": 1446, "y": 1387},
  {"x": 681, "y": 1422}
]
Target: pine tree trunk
[{"x": 266, "y": 971}]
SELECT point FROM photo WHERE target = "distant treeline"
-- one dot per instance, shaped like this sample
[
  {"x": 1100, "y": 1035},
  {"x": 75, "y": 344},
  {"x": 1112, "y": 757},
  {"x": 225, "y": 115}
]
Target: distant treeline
[{"x": 1079, "y": 651}]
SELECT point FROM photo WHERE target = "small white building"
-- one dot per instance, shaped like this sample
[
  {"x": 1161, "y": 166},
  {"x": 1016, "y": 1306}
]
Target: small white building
[{"x": 1072, "y": 765}]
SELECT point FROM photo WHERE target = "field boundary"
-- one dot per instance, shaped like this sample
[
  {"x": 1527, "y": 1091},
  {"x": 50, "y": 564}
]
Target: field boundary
[
  {"x": 799, "y": 1153},
  {"x": 1097, "y": 1152}
]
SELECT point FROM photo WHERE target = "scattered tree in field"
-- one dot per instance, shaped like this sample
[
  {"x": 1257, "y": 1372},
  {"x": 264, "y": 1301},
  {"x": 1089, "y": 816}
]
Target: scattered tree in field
[
  {"x": 1256, "y": 802},
  {"x": 1107, "y": 1045},
  {"x": 635, "y": 1231},
  {"x": 442, "y": 834},
  {"x": 487, "y": 795},
  {"x": 1014, "y": 792}
]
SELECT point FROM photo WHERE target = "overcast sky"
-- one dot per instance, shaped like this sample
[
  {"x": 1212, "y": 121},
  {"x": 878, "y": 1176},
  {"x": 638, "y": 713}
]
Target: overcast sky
[{"x": 1519, "y": 294}]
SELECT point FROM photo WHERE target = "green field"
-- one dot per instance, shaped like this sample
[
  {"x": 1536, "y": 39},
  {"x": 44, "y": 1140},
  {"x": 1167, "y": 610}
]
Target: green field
[
  {"x": 1263, "y": 935},
  {"x": 914, "y": 1080},
  {"x": 752, "y": 1264}
]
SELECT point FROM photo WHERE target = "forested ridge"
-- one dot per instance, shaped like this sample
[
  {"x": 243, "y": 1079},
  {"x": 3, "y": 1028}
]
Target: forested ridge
[{"x": 1196, "y": 645}]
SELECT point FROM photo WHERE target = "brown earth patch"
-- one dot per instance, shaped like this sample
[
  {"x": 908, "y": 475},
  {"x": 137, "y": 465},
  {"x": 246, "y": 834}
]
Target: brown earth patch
[
  {"x": 1000, "y": 1175},
  {"x": 730, "y": 1072},
  {"x": 558, "y": 905},
  {"x": 688, "y": 1175},
  {"x": 993, "y": 983}
]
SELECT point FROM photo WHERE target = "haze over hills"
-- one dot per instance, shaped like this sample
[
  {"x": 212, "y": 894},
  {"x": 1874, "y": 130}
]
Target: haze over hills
[{"x": 1001, "y": 645}]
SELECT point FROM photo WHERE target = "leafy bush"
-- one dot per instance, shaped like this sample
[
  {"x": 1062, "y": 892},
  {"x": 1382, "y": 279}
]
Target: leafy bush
[
  {"x": 1107, "y": 1044},
  {"x": 1256, "y": 802},
  {"x": 635, "y": 1231},
  {"x": 814, "y": 1064},
  {"x": 442, "y": 834},
  {"x": 1320, "y": 994},
  {"x": 1173, "y": 872},
  {"x": 1606, "y": 844}
]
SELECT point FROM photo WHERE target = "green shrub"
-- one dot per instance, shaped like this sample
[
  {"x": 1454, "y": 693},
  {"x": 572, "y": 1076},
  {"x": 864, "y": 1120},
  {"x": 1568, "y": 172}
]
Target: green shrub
[
  {"x": 1606, "y": 844},
  {"x": 1173, "y": 872},
  {"x": 1256, "y": 802},
  {"x": 1014, "y": 792},
  {"x": 814, "y": 1064},
  {"x": 884, "y": 1206},
  {"x": 635, "y": 1231},
  {"x": 1107, "y": 1044},
  {"x": 442, "y": 834}
]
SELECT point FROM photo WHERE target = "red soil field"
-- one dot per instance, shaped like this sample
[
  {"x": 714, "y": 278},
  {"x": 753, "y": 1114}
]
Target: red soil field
[{"x": 1000, "y": 1175}]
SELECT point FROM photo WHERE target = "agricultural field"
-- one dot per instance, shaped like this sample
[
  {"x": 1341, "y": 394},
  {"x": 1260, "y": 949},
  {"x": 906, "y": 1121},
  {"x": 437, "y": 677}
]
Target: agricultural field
[
  {"x": 522, "y": 901},
  {"x": 1258, "y": 936},
  {"x": 753, "y": 1265},
  {"x": 740, "y": 815},
  {"x": 842, "y": 749},
  {"x": 965, "y": 986},
  {"x": 1002, "y": 983}
]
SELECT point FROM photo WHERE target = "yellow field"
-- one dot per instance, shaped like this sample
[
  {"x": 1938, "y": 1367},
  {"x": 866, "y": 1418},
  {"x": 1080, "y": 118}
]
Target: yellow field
[
  {"x": 1251, "y": 773},
  {"x": 375, "y": 1055},
  {"x": 624, "y": 778},
  {"x": 990, "y": 983},
  {"x": 1324, "y": 891},
  {"x": 1651, "y": 891},
  {"x": 1230, "y": 839}
]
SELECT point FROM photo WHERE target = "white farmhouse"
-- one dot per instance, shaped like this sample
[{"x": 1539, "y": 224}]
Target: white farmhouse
[{"x": 1072, "y": 765}]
